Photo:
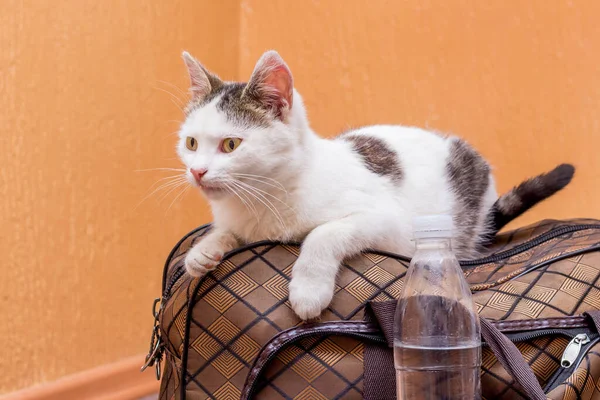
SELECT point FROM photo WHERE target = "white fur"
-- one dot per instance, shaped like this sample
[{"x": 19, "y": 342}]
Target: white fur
[{"x": 329, "y": 199}]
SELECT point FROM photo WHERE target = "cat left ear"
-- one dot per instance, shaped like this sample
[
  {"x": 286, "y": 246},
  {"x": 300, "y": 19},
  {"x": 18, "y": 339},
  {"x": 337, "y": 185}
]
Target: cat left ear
[
  {"x": 202, "y": 82},
  {"x": 272, "y": 84}
]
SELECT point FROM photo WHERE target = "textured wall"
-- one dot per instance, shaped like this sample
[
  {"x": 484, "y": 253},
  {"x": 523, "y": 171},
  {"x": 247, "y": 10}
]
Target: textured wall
[
  {"x": 79, "y": 113},
  {"x": 519, "y": 79}
]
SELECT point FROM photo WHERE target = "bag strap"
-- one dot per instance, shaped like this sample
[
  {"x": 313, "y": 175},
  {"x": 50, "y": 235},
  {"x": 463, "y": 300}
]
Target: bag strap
[
  {"x": 594, "y": 315},
  {"x": 512, "y": 360}
]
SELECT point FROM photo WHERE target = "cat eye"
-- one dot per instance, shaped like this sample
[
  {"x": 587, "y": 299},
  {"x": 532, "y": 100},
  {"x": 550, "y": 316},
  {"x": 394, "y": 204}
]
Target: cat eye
[
  {"x": 191, "y": 143},
  {"x": 230, "y": 144}
]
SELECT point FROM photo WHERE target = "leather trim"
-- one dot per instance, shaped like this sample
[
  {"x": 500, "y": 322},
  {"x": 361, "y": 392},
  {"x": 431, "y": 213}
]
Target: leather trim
[
  {"x": 535, "y": 324},
  {"x": 281, "y": 339}
]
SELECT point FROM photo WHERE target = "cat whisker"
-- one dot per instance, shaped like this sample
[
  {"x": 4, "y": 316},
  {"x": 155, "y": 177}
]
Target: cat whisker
[
  {"x": 172, "y": 180},
  {"x": 268, "y": 204},
  {"x": 251, "y": 205},
  {"x": 176, "y": 132},
  {"x": 247, "y": 202},
  {"x": 174, "y": 99},
  {"x": 279, "y": 187},
  {"x": 168, "y": 184},
  {"x": 167, "y": 178},
  {"x": 265, "y": 202},
  {"x": 180, "y": 90},
  {"x": 267, "y": 194},
  {"x": 276, "y": 182},
  {"x": 173, "y": 95},
  {"x": 171, "y": 190},
  {"x": 254, "y": 196},
  {"x": 185, "y": 189}
]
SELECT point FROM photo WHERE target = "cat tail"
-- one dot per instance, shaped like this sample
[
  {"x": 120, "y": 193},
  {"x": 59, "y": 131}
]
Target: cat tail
[{"x": 527, "y": 194}]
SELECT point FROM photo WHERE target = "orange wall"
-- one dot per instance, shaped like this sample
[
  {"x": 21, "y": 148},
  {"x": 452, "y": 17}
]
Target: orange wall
[
  {"x": 519, "y": 79},
  {"x": 80, "y": 112}
]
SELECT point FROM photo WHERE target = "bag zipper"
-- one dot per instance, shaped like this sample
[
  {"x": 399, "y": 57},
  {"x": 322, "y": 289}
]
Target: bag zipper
[
  {"x": 573, "y": 352},
  {"x": 174, "y": 278},
  {"x": 573, "y": 349},
  {"x": 529, "y": 244},
  {"x": 524, "y": 336},
  {"x": 564, "y": 372}
]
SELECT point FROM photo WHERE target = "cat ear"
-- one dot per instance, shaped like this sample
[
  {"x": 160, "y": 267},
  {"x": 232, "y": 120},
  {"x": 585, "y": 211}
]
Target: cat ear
[
  {"x": 272, "y": 84},
  {"x": 202, "y": 82}
]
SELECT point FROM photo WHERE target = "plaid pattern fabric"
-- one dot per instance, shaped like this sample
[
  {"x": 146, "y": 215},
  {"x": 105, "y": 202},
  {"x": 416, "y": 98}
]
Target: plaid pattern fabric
[
  {"x": 562, "y": 288},
  {"x": 331, "y": 365},
  {"x": 241, "y": 305}
]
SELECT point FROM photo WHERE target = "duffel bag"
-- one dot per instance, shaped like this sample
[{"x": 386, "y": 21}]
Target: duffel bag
[{"x": 232, "y": 334}]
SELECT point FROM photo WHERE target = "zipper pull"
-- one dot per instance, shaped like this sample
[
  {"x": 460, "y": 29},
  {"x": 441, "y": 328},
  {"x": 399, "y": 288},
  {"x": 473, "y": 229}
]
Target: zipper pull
[
  {"x": 155, "y": 353},
  {"x": 573, "y": 349}
]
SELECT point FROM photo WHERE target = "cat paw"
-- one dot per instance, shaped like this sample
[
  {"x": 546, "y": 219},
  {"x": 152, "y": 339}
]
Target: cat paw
[
  {"x": 201, "y": 259},
  {"x": 309, "y": 297}
]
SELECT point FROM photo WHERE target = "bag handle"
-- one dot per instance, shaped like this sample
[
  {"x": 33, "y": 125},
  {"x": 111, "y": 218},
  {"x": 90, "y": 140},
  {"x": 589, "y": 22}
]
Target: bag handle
[{"x": 512, "y": 360}]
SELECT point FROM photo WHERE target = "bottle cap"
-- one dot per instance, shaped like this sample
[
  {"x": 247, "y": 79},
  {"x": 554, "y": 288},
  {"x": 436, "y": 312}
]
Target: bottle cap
[{"x": 433, "y": 226}]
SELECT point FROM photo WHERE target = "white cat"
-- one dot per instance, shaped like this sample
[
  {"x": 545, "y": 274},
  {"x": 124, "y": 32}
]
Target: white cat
[{"x": 267, "y": 175}]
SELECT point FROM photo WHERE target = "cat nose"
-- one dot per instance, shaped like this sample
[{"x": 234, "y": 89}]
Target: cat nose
[{"x": 198, "y": 174}]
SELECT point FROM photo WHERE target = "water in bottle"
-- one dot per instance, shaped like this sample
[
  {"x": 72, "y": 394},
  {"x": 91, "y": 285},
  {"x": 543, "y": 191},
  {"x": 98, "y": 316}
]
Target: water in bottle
[{"x": 437, "y": 344}]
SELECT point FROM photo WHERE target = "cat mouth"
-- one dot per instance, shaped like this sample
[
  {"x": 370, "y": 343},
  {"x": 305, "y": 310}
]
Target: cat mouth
[{"x": 211, "y": 189}]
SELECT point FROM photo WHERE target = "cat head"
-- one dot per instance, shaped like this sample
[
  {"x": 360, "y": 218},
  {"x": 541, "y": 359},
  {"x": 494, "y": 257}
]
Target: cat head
[{"x": 236, "y": 132}]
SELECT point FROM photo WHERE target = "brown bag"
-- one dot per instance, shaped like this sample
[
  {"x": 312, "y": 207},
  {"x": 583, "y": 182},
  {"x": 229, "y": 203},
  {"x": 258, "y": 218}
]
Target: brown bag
[{"x": 232, "y": 334}]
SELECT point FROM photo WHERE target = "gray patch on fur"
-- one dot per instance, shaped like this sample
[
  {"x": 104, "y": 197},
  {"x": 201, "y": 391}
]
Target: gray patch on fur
[
  {"x": 241, "y": 110},
  {"x": 468, "y": 175},
  {"x": 376, "y": 155}
]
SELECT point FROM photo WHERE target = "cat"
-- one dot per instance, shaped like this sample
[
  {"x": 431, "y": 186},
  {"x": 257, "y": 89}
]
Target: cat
[{"x": 267, "y": 175}]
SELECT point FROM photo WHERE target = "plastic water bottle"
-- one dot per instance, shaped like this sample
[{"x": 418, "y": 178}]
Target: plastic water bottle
[{"x": 437, "y": 343}]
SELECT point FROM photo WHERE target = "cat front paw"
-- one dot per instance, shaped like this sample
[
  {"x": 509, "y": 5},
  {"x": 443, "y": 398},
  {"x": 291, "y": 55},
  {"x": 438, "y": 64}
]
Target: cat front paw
[
  {"x": 310, "y": 296},
  {"x": 201, "y": 259},
  {"x": 206, "y": 255}
]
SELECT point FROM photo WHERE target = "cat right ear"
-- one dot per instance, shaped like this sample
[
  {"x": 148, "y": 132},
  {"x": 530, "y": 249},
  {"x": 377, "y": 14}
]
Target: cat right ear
[
  {"x": 272, "y": 84},
  {"x": 202, "y": 82}
]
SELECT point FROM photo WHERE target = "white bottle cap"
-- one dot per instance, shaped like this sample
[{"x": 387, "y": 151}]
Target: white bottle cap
[{"x": 433, "y": 226}]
